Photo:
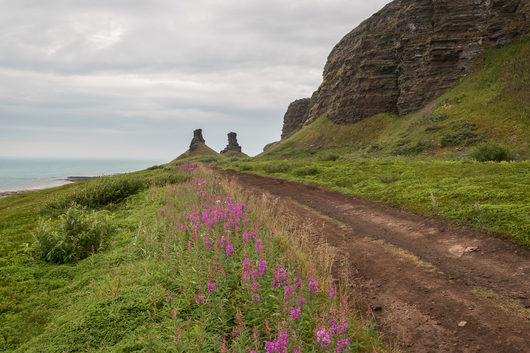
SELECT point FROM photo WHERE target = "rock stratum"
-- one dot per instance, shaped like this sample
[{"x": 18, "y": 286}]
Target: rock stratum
[{"x": 406, "y": 55}]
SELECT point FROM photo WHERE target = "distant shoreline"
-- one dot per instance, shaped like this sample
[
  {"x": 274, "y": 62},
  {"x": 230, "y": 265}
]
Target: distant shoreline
[{"x": 67, "y": 180}]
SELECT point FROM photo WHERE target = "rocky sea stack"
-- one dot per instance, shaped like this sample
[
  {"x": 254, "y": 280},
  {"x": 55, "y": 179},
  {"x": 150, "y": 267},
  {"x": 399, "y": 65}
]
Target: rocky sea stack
[
  {"x": 405, "y": 56},
  {"x": 232, "y": 146},
  {"x": 197, "y": 140}
]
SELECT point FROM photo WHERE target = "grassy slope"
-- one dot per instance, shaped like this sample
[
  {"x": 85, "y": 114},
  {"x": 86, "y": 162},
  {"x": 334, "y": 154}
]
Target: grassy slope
[
  {"x": 491, "y": 103},
  {"x": 500, "y": 189},
  {"x": 30, "y": 292},
  {"x": 115, "y": 299}
]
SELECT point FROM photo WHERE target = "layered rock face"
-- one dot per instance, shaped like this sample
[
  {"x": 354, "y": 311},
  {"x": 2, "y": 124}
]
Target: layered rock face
[
  {"x": 406, "y": 55},
  {"x": 232, "y": 143},
  {"x": 197, "y": 140},
  {"x": 295, "y": 116}
]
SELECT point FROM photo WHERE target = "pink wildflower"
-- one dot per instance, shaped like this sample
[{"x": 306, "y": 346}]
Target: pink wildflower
[
  {"x": 323, "y": 337},
  {"x": 229, "y": 249},
  {"x": 200, "y": 299},
  {"x": 281, "y": 277},
  {"x": 262, "y": 267},
  {"x": 295, "y": 313},
  {"x": 258, "y": 246},
  {"x": 162, "y": 212},
  {"x": 313, "y": 285},
  {"x": 169, "y": 298},
  {"x": 344, "y": 342},
  {"x": 332, "y": 293},
  {"x": 211, "y": 287}
]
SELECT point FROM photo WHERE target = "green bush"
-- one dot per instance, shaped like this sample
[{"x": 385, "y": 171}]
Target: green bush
[
  {"x": 303, "y": 171},
  {"x": 75, "y": 236},
  {"x": 462, "y": 134},
  {"x": 110, "y": 190},
  {"x": 491, "y": 152},
  {"x": 329, "y": 157},
  {"x": 277, "y": 167}
]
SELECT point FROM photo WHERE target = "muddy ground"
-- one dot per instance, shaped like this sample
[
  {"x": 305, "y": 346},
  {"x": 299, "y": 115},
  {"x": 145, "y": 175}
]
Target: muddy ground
[{"x": 432, "y": 287}]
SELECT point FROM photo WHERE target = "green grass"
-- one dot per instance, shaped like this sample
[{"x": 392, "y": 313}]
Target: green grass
[
  {"x": 500, "y": 189},
  {"x": 115, "y": 299},
  {"x": 401, "y": 160},
  {"x": 31, "y": 292}
]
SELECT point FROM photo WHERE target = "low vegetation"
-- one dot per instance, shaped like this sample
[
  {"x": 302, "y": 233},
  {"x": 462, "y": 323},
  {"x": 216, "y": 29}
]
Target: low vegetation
[
  {"x": 488, "y": 196},
  {"x": 192, "y": 266},
  {"x": 76, "y": 235}
]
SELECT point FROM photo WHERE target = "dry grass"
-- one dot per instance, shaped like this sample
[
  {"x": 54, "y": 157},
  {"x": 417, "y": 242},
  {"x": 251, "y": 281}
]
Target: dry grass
[{"x": 314, "y": 255}]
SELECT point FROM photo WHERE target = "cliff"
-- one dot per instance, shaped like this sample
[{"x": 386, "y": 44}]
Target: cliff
[
  {"x": 295, "y": 116},
  {"x": 406, "y": 55}
]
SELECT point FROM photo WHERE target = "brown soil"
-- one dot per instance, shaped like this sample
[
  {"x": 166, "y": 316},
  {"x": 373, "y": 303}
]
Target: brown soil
[{"x": 432, "y": 287}]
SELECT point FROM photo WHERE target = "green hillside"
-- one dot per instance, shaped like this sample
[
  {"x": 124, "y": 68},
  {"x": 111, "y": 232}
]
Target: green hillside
[
  {"x": 430, "y": 161},
  {"x": 491, "y": 104}
]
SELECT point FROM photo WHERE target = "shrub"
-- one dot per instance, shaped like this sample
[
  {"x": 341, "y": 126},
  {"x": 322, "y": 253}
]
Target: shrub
[
  {"x": 110, "y": 189},
  {"x": 328, "y": 157},
  {"x": 99, "y": 192},
  {"x": 389, "y": 178},
  {"x": 75, "y": 236},
  {"x": 465, "y": 135},
  {"x": 303, "y": 171},
  {"x": 491, "y": 152},
  {"x": 409, "y": 149},
  {"x": 277, "y": 167}
]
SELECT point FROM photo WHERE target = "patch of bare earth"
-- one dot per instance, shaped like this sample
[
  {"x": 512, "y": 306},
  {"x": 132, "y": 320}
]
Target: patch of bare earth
[{"x": 432, "y": 287}]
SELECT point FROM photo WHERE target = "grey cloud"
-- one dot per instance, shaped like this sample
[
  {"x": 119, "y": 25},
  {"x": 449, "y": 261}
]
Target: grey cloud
[{"x": 160, "y": 66}]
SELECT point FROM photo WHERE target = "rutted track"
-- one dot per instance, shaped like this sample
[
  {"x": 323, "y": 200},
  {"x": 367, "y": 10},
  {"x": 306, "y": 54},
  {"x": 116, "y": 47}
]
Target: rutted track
[{"x": 434, "y": 287}]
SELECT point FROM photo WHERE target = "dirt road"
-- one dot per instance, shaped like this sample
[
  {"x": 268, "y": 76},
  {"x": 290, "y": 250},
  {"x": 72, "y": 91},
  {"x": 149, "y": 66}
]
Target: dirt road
[{"x": 431, "y": 286}]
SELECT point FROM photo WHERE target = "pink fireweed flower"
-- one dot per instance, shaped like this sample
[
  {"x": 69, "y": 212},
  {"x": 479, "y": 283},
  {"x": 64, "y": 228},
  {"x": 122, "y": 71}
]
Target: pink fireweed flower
[
  {"x": 169, "y": 298},
  {"x": 246, "y": 268},
  {"x": 211, "y": 287},
  {"x": 258, "y": 246},
  {"x": 341, "y": 343},
  {"x": 245, "y": 237},
  {"x": 339, "y": 329},
  {"x": 288, "y": 291},
  {"x": 279, "y": 345},
  {"x": 281, "y": 277},
  {"x": 332, "y": 292},
  {"x": 301, "y": 301},
  {"x": 323, "y": 337},
  {"x": 222, "y": 272},
  {"x": 162, "y": 212},
  {"x": 262, "y": 267},
  {"x": 313, "y": 285},
  {"x": 255, "y": 297},
  {"x": 297, "y": 283},
  {"x": 200, "y": 299},
  {"x": 295, "y": 313},
  {"x": 229, "y": 249}
]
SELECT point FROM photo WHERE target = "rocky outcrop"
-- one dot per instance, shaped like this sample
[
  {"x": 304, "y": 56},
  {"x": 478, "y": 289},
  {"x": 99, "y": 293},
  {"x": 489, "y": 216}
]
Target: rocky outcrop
[
  {"x": 232, "y": 146},
  {"x": 295, "y": 117},
  {"x": 197, "y": 140},
  {"x": 406, "y": 55},
  {"x": 269, "y": 145}
]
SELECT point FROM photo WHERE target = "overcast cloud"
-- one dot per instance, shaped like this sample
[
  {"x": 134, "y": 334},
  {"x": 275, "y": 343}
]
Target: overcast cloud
[{"x": 131, "y": 78}]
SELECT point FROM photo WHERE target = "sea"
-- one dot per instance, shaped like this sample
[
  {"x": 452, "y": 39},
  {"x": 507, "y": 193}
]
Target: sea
[{"x": 17, "y": 174}]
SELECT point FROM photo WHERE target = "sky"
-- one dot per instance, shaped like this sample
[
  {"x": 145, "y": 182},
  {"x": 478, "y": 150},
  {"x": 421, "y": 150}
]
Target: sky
[{"x": 134, "y": 78}]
